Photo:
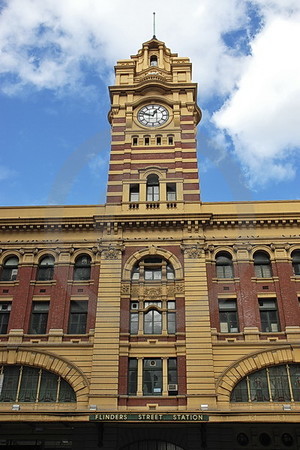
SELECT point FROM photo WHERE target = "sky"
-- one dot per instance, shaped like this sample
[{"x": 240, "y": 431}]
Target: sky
[{"x": 56, "y": 63}]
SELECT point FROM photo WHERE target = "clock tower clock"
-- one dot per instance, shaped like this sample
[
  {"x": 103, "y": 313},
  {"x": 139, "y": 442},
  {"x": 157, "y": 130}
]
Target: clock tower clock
[{"x": 154, "y": 114}]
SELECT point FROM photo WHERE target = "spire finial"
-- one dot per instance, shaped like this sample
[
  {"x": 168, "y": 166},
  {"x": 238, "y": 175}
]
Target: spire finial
[{"x": 154, "y": 37}]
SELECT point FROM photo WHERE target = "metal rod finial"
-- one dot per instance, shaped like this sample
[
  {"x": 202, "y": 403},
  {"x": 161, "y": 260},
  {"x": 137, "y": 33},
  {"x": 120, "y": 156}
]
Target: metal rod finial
[{"x": 154, "y": 37}]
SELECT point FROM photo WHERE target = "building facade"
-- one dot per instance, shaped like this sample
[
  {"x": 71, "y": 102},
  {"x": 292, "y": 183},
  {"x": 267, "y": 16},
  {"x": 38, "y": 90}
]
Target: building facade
[{"x": 155, "y": 321}]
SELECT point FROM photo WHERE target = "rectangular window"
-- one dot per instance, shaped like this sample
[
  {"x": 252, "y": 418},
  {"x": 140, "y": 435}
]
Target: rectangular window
[
  {"x": 153, "y": 274},
  {"x": 134, "y": 317},
  {"x": 146, "y": 140},
  {"x": 132, "y": 376},
  {"x": 171, "y": 192},
  {"x": 171, "y": 317},
  {"x": 5, "y": 308},
  {"x": 152, "y": 377},
  {"x": 78, "y": 317},
  {"x": 268, "y": 315},
  {"x": 134, "y": 193},
  {"x": 172, "y": 376},
  {"x": 134, "y": 140},
  {"x": 153, "y": 193},
  {"x": 228, "y": 316},
  {"x": 39, "y": 318}
]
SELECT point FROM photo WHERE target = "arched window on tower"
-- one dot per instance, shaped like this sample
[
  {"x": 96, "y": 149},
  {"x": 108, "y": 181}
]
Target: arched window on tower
[
  {"x": 224, "y": 267},
  {"x": 296, "y": 262},
  {"x": 82, "y": 268},
  {"x": 45, "y": 268},
  {"x": 153, "y": 60},
  {"x": 262, "y": 265},
  {"x": 10, "y": 269},
  {"x": 152, "y": 188}
]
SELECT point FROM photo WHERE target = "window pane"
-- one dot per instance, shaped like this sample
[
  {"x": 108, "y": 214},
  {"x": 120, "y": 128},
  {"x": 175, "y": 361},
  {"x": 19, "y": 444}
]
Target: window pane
[
  {"x": 48, "y": 388},
  {"x": 171, "y": 316},
  {"x": 132, "y": 376},
  {"x": 78, "y": 317},
  {"x": 259, "y": 387},
  {"x": 268, "y": 315},
  {"x": 39, "y": 318},
  {"x": 279, "y": 384},
  {"x": 29, "y": 383},
  {"x": 134, "y": 323},
  {"x": 152, "y": 377},
  {"x": 66, "y": 392},
  {"x": 152, "y": 322},
  {"x": 10, "y": 384},
  {"x": 295, "y": 381},
  {"x": 240, "y": 392},
  {"x": 5, "y": 308}
]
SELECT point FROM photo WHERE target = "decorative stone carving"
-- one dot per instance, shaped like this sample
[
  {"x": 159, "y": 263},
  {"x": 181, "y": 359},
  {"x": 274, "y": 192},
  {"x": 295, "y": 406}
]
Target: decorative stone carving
[
  {"x": 193, "y": 251},
  {"x": 179, "y": 288},
  {"x": 153, "y": 293},
  {"x": 171, "y": 291},
  {"x": 135, "y": 291},
  {"x": 125, "y": 289},
  {"x": 111, "y": 252}
]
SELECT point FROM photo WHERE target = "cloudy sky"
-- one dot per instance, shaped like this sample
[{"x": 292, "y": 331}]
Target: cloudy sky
[{"x": 56, "y": 61}]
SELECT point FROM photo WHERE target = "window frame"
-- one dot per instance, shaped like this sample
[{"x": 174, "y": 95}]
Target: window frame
[
  {"x": 78, "y": 315},
  {"x": 82, "y": 271},
  {"x": 39, "y": 317},
  {"x": 9, "y": 272}
]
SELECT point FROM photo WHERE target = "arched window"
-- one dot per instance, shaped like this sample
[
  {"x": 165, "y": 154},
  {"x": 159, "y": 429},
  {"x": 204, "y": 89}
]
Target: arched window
[
  {"x": 271, "y": 384},
  {"x": 153, "y": 60},
  {"x": 10, "y": 269},
  {"x": 153, "y": 268},
  {"x": 30, "y": 384},
  {"x": 296, "y": 262},
  {"x": 262, "y": 265},
  {"x": 152, "y": 318},
  {"x": 82, "y": 268},
  {"x": 152, "y": 188},
  {"x": 45, "y": 269},
  {"x": 224, "y": 266}
]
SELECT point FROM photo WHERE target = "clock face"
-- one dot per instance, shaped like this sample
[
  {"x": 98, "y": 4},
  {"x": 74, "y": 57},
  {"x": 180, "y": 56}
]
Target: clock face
[{"x": 153, "y": 115}]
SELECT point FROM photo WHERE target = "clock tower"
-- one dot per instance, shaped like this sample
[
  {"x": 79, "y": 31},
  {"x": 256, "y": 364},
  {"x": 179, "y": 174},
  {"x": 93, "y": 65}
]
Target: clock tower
[{"x": 154, "y": 114}]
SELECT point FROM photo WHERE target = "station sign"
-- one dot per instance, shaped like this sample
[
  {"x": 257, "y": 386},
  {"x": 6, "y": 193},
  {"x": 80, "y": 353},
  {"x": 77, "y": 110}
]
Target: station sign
[{"x": 148, "y": 417}]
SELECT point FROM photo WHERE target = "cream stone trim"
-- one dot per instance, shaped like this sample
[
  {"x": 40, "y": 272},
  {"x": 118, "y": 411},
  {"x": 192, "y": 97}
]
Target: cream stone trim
[
  {"x": 53, "y": 363},
  {"x": 251, "y": 363},
  {"x": 152, "y": 250}
]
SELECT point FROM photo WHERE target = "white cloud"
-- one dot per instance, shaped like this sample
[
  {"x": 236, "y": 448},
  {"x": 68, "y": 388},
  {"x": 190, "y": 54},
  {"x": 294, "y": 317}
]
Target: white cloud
[
  {"x": 262, "y": 115},
  {"x": 50, "y": 44}
]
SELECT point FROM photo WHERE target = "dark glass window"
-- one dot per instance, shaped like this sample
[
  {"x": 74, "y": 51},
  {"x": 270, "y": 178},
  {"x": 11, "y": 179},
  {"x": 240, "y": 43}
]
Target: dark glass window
[
  {"x": 78, "y": 317},
  {"x": 152, "y": 322},
  {"x": 171, "y": 317},
  {"x": 134, "y": 193},
  {"x": 170, "y": 139},
  {"x": 171, "y": 192},
  {"x": 158, "y": 140},
  {"x": 172, "y": 376},
  {"x": 153, "y": 60},
  {"x": 268, "y": 315},
  {"x": 262, "y": 265},
  {"x": 296, "y": 262},
  {"x": 39, "y": 318},
  {"x": 152, "y": 188},
  {"x": 30, "y": 384},
  {"x": 10, "y": 269},
  {"x": 82, "y": 268},
  {"x": 271, "y": 384},
  {"x": 224, "y": 266},
  {"x": 5, "y": 308},
  {"x": 45, "y": 269},
  {"x": 146, "y": 140},
  {"x": 134, "y": 140},
  {"x": 152, "y": 377},
  {"x": 132, "y": 376},
  {"x": 228, "y": 316}
]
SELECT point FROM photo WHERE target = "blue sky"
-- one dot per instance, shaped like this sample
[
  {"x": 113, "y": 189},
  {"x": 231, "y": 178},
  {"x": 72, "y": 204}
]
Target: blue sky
[{"x": 56, "y": 61}]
